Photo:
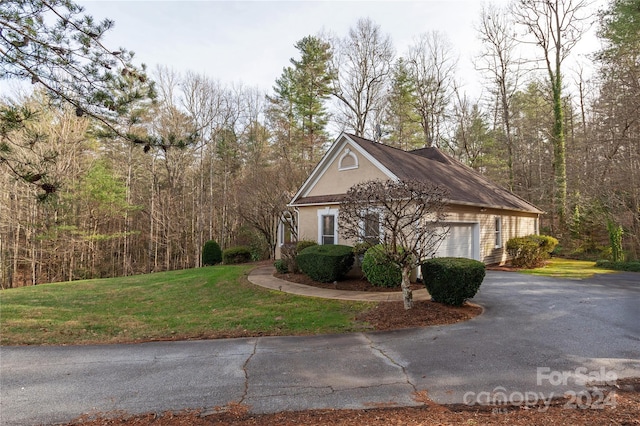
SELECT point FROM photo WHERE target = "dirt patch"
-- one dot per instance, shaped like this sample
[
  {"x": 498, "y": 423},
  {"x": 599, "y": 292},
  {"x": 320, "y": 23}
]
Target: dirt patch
[{"x": 624, "y": 409}]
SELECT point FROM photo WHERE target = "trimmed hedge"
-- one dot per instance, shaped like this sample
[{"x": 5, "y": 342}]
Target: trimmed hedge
[
  {"x": 281, "y": 266},
  {"x": 619, "y": 266},
  {"x": 530, "y": 251},
  {"x": 303, "y": 244},
  {"x": 234, "y": 255},
  {"x": 326, "y": 263},
  {"x": 211, "y": 253},
  {"x": 290, "y": 251},
  {"x": 452, "y": 280},
  {"x": 378, "y": 270}
]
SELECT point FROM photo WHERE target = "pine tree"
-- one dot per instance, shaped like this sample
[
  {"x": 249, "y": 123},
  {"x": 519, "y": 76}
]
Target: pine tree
[
  {"x": 297, "y": 109},
  {"x": 401, "y": 123}
]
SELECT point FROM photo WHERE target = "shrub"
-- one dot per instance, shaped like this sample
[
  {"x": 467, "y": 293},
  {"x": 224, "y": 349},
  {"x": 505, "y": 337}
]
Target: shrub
[
  {"x": 452, "y": 280},
  {"x": 211, "y": 253},
  {"x": 615, "y": 238},
  {"x": 378, "y": 270},
  {"x": 619, "y": 266},
  {"x": 248, "y": 236},
  {"x": 233, "y": 255},
  {"x": 281, "y": 266},
  {"x": 290, "y": 251},
  {"x": 530, "y": 251},
  {"x": 326, "y": 263}
]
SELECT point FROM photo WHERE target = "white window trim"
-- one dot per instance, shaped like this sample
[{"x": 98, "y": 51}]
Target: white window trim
[
  {"x": 498, "y": 231},
  {"x": 348, "y": 153},
  {"x": 328, "y": 212}
]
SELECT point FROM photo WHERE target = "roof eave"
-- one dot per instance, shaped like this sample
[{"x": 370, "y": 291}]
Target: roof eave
[{"x": 495, "y": 207}]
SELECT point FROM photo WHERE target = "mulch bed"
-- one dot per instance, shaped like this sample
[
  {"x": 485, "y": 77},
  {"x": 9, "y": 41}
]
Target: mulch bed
[{"x": 392, "y": 315}]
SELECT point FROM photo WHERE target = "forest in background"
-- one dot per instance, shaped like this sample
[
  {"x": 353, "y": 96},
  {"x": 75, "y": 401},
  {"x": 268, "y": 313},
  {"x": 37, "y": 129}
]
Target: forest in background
[{"x": 138, "y": 173}]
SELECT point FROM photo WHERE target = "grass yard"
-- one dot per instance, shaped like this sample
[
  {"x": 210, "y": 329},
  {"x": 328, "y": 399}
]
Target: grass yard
[
  {"x": 568, "y": 268},
  {"x": 208, "y": 302}
]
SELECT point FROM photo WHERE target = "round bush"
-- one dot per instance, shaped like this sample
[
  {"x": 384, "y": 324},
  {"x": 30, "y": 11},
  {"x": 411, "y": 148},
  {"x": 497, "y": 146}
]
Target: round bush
[
  {"x": 233, "y": 255},
  {"x": 530, "y": 251},
  {"x": 378, "y": 270},
  {"x": 452, "y": 280},
  {"x": 281, "y": 266},
  {"x": 211, "y": 253},
  {"x": 326, "y": 263},
  {"x": 303, "y": 244}
]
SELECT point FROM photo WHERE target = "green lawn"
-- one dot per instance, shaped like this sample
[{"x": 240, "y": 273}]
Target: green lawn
[
  {"x": 205, "y": 302},
  {"x": 568, "y": 268}
]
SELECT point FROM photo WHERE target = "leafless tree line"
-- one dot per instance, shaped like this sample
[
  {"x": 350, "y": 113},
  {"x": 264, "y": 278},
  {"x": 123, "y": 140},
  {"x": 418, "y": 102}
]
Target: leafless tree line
[{"x": 231, "y": 161}]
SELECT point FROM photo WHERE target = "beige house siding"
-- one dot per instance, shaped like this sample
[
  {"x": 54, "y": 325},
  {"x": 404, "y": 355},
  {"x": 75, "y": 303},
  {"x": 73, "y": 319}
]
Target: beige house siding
[
  {"x": 336, "y": 181},
  {"x": 308, "y": 222},
  {"x": 352, "y": 160},
  {"x": 513, "y": 224}
]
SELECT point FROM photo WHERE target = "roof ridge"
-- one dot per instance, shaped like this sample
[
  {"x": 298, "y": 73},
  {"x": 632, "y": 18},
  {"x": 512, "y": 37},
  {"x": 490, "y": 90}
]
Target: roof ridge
[{"x": 389, "y": 146}]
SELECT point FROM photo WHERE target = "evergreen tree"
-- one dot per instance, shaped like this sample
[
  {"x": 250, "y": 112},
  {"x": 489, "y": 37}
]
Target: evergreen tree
[
  {"x": 401, "y": 121},
  {"x": 54, "y": 44},
  {"x": 312, "y": 86},
  {"x": 297, "y": 109}
]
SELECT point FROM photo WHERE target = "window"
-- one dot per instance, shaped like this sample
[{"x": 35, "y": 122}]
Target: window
[
  {"x": 287, "y": 229},
  {"x": 498, "y": 231},
  {"x": 371, "y": 228},
  {"x": 328, "y": 226},
  {"x": 286, "y": 235},
  {"x": 328, "y": 229},
  {"x": 348, "y": 160}
]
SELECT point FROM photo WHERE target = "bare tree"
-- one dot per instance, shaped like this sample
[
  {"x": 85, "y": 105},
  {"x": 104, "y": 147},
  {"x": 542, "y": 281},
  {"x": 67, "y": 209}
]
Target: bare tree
[
  {"x": 432, "y": 66},
  {"x": 263, "y": 199},
  {"x": 411, "y": 215},
  {"x": 555, "y": 26},
  {"x": 502, "y": 68},
  {"x": 363, "y": 63}
]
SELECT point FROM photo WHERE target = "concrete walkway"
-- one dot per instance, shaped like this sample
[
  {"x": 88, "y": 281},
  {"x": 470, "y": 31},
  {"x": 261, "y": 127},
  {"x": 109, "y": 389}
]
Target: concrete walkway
[{"x": 263, "y": 276}]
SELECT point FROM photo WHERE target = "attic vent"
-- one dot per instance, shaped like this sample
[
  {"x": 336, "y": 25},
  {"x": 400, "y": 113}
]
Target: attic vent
[{"x": 348, "y": 160}]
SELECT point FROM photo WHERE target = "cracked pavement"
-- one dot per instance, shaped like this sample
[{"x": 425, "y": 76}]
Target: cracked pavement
[{"x": 528, "y": 323}]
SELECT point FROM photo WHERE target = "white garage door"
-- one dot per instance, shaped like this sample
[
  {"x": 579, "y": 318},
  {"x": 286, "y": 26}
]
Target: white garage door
[{"x": 461, "y": 241}]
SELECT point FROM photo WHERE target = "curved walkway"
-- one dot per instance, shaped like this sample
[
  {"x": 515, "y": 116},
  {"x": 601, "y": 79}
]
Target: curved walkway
[{"x": 263, "y": 276}]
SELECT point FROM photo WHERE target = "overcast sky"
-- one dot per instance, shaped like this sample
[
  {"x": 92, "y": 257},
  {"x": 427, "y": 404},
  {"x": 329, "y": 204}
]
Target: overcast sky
[{"x": 251, "y": 41}]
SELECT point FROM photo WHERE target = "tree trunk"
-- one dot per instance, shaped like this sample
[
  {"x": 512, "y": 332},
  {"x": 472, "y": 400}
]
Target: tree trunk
[
  {"x": 407, "y": 294},
  {"x": 559, "y": 152}
]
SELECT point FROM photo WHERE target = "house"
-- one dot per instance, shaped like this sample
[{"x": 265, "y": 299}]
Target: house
[{"x": 481, "y": 215}]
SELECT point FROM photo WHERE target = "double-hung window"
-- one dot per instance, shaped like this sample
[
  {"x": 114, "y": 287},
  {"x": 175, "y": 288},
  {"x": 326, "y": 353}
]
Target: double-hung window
[
  {"x": 328, "y": 229},
  {"x": 328, "y": 226},
  {"x": 498, "y": 231},
  {"x": 371, "y": 228}
]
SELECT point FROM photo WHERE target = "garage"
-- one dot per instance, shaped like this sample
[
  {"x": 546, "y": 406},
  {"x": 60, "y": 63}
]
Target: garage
[{"x": 462, "y": 241}]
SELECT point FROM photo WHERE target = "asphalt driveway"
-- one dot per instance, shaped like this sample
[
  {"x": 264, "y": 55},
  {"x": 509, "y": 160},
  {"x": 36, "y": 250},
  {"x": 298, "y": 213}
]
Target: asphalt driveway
[{"x": 537, "y": 338}]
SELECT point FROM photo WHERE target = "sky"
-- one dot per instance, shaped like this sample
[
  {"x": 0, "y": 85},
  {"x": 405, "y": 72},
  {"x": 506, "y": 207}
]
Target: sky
[{"x": 250, "y": 42}]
